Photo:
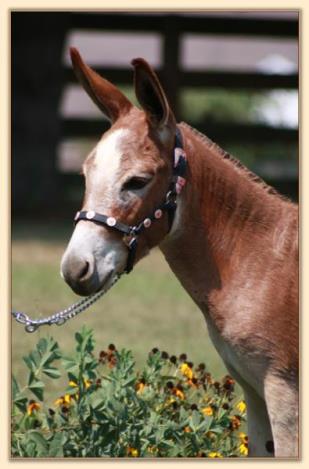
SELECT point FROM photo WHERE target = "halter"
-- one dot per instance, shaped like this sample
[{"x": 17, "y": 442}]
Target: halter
[{"x": 131, "y": 232}]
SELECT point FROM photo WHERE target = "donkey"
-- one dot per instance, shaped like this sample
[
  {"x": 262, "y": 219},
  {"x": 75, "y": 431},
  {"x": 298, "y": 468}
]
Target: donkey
[{"x": 231, "y": 240}]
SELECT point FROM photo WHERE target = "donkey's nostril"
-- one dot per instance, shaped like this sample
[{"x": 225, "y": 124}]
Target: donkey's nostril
[
  {"x": 79, "y": 272},
  {"x": 83, "y": 272}
]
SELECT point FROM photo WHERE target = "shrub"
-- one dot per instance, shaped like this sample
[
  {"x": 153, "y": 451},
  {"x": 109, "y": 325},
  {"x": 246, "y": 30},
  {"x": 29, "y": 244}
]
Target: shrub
[{"x": 170, "y": 408}]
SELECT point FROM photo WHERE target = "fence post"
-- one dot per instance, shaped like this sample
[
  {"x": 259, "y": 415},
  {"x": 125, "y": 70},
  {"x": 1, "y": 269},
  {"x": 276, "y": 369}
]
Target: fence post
[{"x": 37, "y": 43}]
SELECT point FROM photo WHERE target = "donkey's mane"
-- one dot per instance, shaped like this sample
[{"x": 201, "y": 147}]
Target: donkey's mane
[{"x": 234, "y": 161}]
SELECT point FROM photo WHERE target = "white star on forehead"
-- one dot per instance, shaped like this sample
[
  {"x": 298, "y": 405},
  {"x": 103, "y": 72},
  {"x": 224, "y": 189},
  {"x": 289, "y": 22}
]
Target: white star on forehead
[{"x": 107, "y": 164}]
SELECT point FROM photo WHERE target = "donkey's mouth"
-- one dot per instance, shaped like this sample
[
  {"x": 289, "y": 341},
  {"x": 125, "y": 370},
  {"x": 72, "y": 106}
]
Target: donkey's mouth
[
  {"x": 94, "y": 285},
  {"x": 106, "y": 282},
  {"x": 86, "y": 284}
]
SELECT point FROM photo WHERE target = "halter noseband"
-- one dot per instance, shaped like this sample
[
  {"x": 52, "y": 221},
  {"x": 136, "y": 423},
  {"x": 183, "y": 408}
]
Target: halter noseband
[{"x": 131, "y": 232}]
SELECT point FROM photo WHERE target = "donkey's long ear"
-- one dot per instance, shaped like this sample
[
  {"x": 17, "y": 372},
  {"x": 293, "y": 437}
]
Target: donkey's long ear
[
  {"x": 103, "y": 93},
  {"x": 151, "y": 97}
]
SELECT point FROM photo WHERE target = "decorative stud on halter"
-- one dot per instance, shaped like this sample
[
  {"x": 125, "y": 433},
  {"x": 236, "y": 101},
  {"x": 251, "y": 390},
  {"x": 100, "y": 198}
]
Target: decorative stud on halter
[{"x": 169, "y": 205}]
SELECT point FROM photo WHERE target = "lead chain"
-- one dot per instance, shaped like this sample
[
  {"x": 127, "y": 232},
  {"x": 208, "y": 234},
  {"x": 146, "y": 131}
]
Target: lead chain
[{"x": 64, "y": 315}]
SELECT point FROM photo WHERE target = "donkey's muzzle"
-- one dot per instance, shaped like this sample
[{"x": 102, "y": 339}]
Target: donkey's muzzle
[{"x": 80, "y": 273}]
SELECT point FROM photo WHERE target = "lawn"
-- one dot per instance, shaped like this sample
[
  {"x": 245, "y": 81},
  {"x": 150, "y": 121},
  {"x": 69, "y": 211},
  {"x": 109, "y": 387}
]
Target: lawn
[{"x": 146, "y": 309}]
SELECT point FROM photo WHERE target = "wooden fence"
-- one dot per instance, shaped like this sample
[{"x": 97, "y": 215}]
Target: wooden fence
[
  {"x": 49, "y": 186},
  {"x": 171, "y": 27}
]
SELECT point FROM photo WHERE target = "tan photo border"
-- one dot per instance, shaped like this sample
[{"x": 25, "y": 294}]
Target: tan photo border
[{"x": 5, "y": 235}]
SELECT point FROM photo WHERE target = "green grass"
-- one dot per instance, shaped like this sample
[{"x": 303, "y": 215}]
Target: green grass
[{"x": 146, "y": 309}]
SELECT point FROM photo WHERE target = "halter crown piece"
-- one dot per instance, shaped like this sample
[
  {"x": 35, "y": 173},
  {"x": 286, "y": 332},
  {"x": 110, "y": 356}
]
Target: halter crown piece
[{"x": 131, "y": 234}]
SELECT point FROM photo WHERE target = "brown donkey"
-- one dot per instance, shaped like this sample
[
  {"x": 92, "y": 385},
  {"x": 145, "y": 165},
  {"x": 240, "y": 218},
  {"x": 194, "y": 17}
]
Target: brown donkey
[{"x": 232, "y": 242}]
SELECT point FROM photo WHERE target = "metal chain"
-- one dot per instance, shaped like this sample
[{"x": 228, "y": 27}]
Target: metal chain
[{"x": 64, "y": 315}]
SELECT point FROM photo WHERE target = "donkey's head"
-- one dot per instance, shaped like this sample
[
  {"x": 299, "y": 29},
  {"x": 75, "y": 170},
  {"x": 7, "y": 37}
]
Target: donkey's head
[{"x": 126, "y": 176}]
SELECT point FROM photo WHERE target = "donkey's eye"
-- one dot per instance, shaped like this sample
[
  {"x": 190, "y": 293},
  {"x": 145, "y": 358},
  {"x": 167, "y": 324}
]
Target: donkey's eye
[{"x": 135, "y": 183}]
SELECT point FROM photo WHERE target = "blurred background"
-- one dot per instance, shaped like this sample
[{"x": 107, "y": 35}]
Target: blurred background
[{"x": 232, "y": 75}]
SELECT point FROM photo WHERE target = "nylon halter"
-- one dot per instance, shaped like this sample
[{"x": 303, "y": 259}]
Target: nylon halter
[{"x": 169, "y": 205}]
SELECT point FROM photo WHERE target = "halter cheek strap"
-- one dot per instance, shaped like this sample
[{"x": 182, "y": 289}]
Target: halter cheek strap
[{"x": 131, "y": 232}]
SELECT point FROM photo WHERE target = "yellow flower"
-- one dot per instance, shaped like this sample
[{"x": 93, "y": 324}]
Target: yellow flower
[
  {"x": 187, "y": 429},
  {"x": 132, "y": 452},
  {"x": 243, "y": 437},
  {"x": 66, "y": 399},
  {"x": 214, "y": 454},
  {"x": 87, "y": 383},
  {"x": 186, "y": 370},
  {"x": 32, "y": 406},
  {"x": 207, "y": 411},
  {"x": 140, "y": 387},
  {"x": 179, "y": 393},
  {"x": 243, "y": 449},
  {"x": 193, "y": 382},
  {"x": 59, "y": 401},
  {"x": 241, "y": 406}
]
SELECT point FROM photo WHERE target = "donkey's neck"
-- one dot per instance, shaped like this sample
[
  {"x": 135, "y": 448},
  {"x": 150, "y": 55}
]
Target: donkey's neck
[{"x": 224, "y": 213}]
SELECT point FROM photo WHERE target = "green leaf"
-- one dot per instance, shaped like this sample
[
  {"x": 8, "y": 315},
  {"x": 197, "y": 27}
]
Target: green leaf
[
  {"x": 30, "y": 449},
  {"x": 71, "y": 364},
  {"x": 98, "y": 401},
  {"x": 31, "y": 378},
  {"x": 159, "y": 434},
  {"x": 57, "y": 444},
  {"x": 130, "y": 381},
  {"x": 194, "y": 420},
  {"x": 174, "y": 451},
  {"x": 169, "y": 443},
  {"x": 85, "y": 340},
  {"x": 40, "y": 443},
  {"x": 209, "y": 420},
  {"x": 37, "y": 388},
  {"x": 79, "y": 338},
  {"x": 48, "y": 350},
  {"x": 29, "y": 363},
  {"x": 183, "y": 416},
  {"x": 35, "y": 358},
  {"x": 42, "y": 346},
  {"x": 218, "y": 429},
  {"x": 52, "y": 372},
  {"x": 21, "y": 403},
  {"x": 15, "y": 388}
]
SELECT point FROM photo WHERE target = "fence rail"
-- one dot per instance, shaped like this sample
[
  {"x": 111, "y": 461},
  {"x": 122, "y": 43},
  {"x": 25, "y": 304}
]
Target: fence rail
[
  {"x": 197, "y": 24},
  {"x": 171, "y": 27},
  {"x": 219, "y": 132},
  {"x": 201, "y": 79}
]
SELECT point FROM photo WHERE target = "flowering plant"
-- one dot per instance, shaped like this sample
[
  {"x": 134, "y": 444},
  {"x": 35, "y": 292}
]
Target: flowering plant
[{"x": 170, "y": 408}]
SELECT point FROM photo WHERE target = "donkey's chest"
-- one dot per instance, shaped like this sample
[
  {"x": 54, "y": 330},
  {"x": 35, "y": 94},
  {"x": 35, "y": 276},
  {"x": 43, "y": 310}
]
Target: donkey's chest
[{"x": 245, "y": 368}]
